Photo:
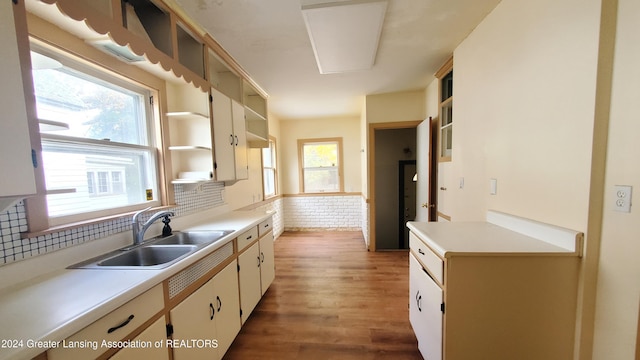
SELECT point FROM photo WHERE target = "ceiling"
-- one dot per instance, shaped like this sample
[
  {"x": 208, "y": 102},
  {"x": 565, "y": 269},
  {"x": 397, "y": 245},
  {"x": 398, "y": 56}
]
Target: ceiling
[{"x": 269, "y": 40}]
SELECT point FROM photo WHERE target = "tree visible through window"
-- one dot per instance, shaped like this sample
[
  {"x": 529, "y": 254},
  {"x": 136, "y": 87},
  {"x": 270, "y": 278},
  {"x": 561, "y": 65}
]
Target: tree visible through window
[
  {"x": 321, "y": 165},
  {"x": 102, "y": 157}
]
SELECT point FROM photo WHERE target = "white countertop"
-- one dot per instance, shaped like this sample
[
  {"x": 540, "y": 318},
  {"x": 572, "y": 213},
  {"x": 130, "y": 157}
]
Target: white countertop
[
  {"x": 502, "y": 234},
  {"x": 55, "y": 306}
]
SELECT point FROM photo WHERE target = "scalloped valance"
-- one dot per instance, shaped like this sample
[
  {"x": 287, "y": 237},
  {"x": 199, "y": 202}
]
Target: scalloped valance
[{"x": 90, "y": 24}]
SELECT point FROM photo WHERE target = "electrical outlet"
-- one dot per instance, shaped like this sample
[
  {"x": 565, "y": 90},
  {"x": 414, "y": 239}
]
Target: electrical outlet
[{"x": 622, "y": 198}]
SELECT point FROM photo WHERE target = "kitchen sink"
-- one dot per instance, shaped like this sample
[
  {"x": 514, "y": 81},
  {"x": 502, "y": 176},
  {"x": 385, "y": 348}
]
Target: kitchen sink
[
  {"x": 155, "y": 253},
  {"x": 148, "y": 256},
  {"x": 200, "y": 237}
]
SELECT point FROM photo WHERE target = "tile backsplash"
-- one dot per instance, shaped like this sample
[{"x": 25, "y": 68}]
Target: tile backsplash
[{"x": 14, "y": 221}]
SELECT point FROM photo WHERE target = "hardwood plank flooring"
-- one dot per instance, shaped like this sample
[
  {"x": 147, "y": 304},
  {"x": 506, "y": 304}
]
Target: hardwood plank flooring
[{"x": 331, "y": 299}]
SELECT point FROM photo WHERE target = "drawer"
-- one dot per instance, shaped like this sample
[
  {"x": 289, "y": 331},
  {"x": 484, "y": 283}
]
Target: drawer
[
  {"x": 428, "y": 258},
  {"x": 247, "y": 238},
  {"x": 265, "y": 226},
  {"x": 114, "y": 326}
]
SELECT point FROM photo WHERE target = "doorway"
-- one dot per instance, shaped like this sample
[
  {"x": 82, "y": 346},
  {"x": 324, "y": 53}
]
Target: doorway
[
  {"x": 384, "y": 232},
  {"x": 395, "y": 151},
  {"x": 407, "y": 199}
]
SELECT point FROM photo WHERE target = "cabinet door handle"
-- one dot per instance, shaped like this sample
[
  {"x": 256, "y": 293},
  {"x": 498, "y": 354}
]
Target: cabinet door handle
[
  {"x": 219, "y": 303},
  {"x": 420, "y": 251},
  {"x": 258, "y": 261},
  {"x": 123, "y": 324},
  {"x": 212, "y": 311},
  {"x": 231, "y": 138},
  {"x": 419, "y": 301},
  {"x": 236, "y": 140},
  {"x": 249, "y": 237},
  {"x": 262, "y": 257}
]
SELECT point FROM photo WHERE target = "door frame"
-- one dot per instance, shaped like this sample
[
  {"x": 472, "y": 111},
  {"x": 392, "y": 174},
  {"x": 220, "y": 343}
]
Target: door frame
[{"x": 371, "y": 183}]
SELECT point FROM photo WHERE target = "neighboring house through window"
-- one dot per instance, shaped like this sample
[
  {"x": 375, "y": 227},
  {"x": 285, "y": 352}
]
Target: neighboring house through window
[{"x": 98, "y": 157}]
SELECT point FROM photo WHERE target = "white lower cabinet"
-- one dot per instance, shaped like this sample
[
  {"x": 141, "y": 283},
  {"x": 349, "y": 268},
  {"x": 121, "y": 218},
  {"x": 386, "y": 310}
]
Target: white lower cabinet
[
  {"x": 227, "y": 306},
  {"x": 250, "y": 283},
  {"x": 154, "y": 333},
  {"x": 257, "y": 271},
  {"x": 490, "y": 294},
  {"x": 267, "y": 262},
  {"x": 425, "y": 311},
  {"x": 208, "y": 320},
  {"x": 112, "y": 327}
]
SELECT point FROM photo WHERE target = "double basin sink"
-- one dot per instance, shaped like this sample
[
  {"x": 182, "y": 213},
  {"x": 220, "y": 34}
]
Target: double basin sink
[{"x": 155, "y": 253}]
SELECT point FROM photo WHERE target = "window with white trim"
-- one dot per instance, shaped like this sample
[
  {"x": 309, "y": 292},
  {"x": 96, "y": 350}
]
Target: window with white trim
[
  {"x": 269, "y": 169},
  {"x": 98, "y": 153},
  {"x": 321, "y": 165}
]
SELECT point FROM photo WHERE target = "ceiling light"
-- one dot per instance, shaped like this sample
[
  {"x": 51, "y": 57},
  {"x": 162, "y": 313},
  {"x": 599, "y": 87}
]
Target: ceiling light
[{"x": 345, "y": 34}]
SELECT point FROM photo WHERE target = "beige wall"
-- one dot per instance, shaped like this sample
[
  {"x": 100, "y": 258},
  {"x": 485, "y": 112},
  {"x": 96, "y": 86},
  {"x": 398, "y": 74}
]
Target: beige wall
[
  {"x": 524, "y": 88},
  {"x": 393, "y": 107},
  {"x": 618, "y": 289},
  {"x": 524, "y": 108},
  {"x": 431, "y": 99},
  {"x": 348, "y": 128}
]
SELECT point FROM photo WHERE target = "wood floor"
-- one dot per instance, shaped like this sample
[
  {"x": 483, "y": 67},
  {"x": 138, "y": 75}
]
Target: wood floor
[{"x": 331, "y": 299}]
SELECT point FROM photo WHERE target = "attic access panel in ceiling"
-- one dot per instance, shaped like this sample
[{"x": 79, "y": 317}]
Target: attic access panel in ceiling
[{"x": 344, "y": 34}]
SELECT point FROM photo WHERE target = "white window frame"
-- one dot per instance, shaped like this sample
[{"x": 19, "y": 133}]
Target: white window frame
[
  {"x": 273, "y": 152},
  {"x": 107, "y": 75}
]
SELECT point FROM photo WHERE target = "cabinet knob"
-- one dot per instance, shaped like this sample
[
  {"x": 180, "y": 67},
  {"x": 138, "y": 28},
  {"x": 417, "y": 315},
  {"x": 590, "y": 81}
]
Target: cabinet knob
[{"x": 427, "y": 205}]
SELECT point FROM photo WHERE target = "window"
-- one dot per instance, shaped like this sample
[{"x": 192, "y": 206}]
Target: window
[
  {"x": 321, "y": 165},
  {"x": 97, "y": 149},
  {"x": 270, "y": 176}
]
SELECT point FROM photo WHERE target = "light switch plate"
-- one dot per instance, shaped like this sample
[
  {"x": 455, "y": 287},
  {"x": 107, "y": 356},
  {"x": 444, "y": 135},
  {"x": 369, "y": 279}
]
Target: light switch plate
[
  {"x": 493, "y": 186},
  {"x": 622, "y": 198}
]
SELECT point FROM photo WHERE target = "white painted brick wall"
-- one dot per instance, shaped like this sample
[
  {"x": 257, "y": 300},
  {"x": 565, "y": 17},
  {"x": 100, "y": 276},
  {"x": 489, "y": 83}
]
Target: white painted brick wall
[
  {"x": 277, "y": 206},
  {"x": 323, "y": 213},
  {"x": 365, "y": 221}
]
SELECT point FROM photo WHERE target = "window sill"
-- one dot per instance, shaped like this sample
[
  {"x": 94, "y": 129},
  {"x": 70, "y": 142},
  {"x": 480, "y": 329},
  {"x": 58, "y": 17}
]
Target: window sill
[
  {"x": 79, "y": 224},
  {"x": 337, "y": 193}
]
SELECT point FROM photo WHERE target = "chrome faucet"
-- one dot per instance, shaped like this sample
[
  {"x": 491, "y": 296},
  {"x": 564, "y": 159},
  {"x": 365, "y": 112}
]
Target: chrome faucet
[{"x": 138, "y": 230}]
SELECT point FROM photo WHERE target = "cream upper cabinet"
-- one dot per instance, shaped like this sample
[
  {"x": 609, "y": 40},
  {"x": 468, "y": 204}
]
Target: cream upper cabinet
[
  {"x": 190, "y": 140},
  {"x": 14, "y": 121},
  {"x": 229, "y": 137},
  {"x": 240, "y": 135}
]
